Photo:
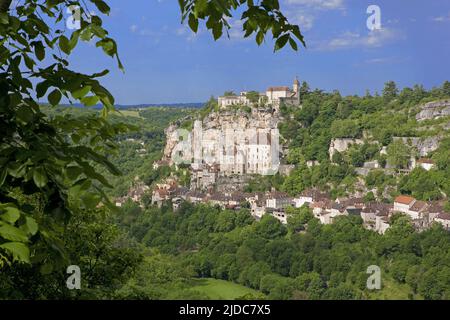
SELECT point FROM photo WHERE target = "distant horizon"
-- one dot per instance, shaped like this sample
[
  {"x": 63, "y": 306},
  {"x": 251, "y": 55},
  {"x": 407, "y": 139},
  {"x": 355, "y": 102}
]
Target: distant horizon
[{"x": 199, "y": 104}]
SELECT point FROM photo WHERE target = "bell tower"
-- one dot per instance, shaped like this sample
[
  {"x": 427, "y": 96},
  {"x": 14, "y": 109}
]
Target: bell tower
[{"x": 296, "y": 86}]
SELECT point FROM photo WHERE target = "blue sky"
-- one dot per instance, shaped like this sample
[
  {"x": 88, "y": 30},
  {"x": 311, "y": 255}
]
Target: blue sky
[{"x": 165, "y": 62}]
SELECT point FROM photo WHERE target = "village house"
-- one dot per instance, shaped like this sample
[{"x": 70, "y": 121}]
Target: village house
[
  {"x": 444, "y": 219},
  {"x": 403, "y": 203},
  {"x": 218, "y": 199},
  {"x": 159, "y": 196},
  {"x": 280, "y": 215},
  {"x": 233, "y": 100},
  {"x": 381, "y": 224},
  {"x": 257, "y": 203},
  {"x": 322, "y": 210},
  {"x": 278, "y": 200},
  {"x": 203, "y": 176},
  {"x": 164, "y": 191},
  {"x": 195, "y": 197},
  {"x": 309, "y": 196},
  {"x": 434, "y": 209},
  {"x": 135, "y": 193},
  {"x": 417, "y": 210},
  {"x": 425, "y": 163},
  {"x": 373, "y": 209}
]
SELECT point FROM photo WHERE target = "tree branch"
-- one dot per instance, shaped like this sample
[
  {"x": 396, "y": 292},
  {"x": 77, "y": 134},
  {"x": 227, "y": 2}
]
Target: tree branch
[{"x": 4, "y": 5}]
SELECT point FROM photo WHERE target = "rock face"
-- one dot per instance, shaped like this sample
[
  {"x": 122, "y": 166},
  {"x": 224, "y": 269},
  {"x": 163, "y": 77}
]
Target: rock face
[
  {"x": 341, "y": 145},
  {"x": 423, "y": 145},
  {"x": 434, "y": 110},
  {"x": 239, "y": 142},
  {"x": 172, "y": 138}
]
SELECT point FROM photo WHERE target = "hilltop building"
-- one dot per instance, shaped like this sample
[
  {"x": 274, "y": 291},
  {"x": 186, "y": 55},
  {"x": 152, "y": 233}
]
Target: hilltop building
[{"x": 274, "y": 96}]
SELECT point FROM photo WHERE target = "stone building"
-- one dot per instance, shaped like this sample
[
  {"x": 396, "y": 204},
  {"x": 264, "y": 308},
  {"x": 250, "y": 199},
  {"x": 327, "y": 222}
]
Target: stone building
[{"x": 274, "y": 96}]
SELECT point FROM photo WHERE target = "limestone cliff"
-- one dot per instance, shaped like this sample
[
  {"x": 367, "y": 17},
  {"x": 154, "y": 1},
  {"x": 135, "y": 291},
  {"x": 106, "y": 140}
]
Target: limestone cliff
[
  {"x": 341, "y": 145},
  {"x": 434, "y": 110},
  {"x": 423, "y": 145},
  {"x": 238, "y": 121}
]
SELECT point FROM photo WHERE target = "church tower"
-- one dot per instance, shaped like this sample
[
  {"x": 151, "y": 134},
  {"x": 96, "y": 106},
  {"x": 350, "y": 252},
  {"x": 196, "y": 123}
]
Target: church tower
[
  {"x": 296, "y": 89},
  {"x": 296, "y": 86}
]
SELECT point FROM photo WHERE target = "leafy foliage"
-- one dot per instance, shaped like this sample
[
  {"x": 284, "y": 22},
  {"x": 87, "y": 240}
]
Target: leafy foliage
[{"x": 258, "y": 18}]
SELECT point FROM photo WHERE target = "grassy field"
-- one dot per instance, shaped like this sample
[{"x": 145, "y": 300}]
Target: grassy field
[{"x": 221, "y": 289}]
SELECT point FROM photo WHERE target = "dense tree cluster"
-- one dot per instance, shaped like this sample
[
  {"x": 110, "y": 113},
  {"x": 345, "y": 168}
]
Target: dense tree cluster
[{"x": 303, "y": 260}]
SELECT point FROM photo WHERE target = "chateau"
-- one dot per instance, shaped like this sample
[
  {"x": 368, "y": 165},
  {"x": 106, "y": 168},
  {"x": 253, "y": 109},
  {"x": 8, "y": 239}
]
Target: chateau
[{"x": 274, "y": 96}]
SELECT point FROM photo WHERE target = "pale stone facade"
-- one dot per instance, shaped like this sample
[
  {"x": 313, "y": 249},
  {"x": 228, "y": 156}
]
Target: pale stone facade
[{"x": 274, "y": 96}]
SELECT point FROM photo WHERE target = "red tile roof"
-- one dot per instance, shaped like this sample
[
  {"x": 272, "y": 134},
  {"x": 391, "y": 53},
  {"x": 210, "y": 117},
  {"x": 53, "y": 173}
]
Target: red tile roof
[
  {"x": 425, "y": 160},
  {"x": 404, "y": 199}
]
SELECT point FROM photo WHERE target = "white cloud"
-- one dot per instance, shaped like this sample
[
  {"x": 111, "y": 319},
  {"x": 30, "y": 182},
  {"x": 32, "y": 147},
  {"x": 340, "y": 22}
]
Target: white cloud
[
  {"x": 304, "y": 20},
  {"x": 348, "y": 40},
  {"x": 441, "y": 18},
  {"x": 305, "y": 12},
  {"x": 319, "y": 4},
  {"x": 187, "y": 33},
  {"x": 133, "y": 28}
]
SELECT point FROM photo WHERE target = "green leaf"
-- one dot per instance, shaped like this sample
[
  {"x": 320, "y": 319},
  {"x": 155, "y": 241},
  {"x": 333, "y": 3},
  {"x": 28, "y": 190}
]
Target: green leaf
[
  {"x": 40, "y": 177},
  {"x": 54, "y": 97},
  {"x": 30, "y": 226},
  {"x": 293, "y": 44},
  {"x": 19, "y": 251},
  {"x": 3, "y": 175},
  {"x": 80, "y": 93},
  {"x": 102, "y": 6},
  {"x": 46, "y": 268},
  {"x": 90, "y": 101},
  {"x": 217, "y": 31},
  {"x": 4, "y": 18},
  {"x": 41, "y": 88},
  {"x": 193, "y": 22},
  {"x": 25, "y": 114},
  {"x": 64, "y": 44},
  {"x": 11, "y": 215},
  {"x": 12, "y": 233},
  {"x": 39, "y": 50},
  {"x": 259, "y": 37},
  {"x": 281, "y": 42},
  {"x": 17, "y": 170},
  {"x": 73, "y": 172}
]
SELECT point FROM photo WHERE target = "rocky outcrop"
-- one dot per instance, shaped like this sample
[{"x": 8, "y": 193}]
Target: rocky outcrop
[
  {"x": 216, "y": 124},
  {"x": 341, "y": 145},
  {"x": 434, "y": 110},
  {"x": 423, "y": 145}
]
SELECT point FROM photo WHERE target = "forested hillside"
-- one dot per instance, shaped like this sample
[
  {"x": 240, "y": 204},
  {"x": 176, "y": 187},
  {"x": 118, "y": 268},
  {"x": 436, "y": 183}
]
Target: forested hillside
[
  {"x": 323, "y": 262},
  {"x": 376, "y": 122}
]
